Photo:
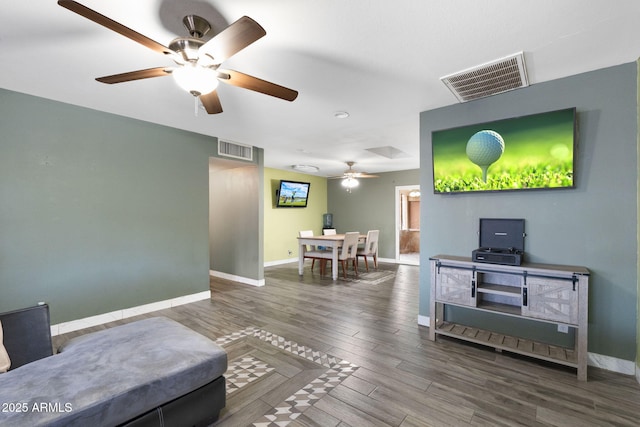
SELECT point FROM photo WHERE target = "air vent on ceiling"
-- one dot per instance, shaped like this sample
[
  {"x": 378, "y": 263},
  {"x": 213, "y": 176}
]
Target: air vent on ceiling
[
  {"x": 235, "y": 150},
  {"x": 494, "y": 77},
  {"x": 389, "y": 152}
]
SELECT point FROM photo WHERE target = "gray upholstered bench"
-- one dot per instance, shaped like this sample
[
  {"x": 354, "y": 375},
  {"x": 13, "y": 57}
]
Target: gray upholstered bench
[{"x": 150, "y": 372}]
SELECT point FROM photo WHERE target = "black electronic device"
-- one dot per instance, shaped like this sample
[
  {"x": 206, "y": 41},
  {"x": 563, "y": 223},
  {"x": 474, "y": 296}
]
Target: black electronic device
[{"x": 501, "y": 241}]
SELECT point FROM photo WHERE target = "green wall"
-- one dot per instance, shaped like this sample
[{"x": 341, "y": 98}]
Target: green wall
[
  {"x": 98, "y": 212},
  {"x": 594, "y": 225},
  {"x": 371, "y": 206},
  {"x": 282, "y": 224}
]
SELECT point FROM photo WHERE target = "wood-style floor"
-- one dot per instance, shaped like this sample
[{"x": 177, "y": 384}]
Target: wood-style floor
[{"x": 384, "y": 371}]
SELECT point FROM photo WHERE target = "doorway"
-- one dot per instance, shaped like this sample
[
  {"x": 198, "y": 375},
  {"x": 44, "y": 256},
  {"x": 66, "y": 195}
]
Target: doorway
[{"x": 408, "y": 224}]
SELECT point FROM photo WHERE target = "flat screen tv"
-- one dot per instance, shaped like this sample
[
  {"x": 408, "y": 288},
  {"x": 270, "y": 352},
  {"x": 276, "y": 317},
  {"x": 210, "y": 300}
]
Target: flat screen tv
[
  {"x": 522, "y": 153},
  {"x": 292, "y": 194}
]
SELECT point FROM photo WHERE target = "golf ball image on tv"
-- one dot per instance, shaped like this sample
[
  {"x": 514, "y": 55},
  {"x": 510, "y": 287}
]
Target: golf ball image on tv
[{"x": 485, "y": 147}]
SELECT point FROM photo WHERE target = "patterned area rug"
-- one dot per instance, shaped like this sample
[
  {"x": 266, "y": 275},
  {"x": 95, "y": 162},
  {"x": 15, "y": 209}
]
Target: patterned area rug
[
  {"x": 247, "y": 369},
  {"x": 373, "y": 277}
]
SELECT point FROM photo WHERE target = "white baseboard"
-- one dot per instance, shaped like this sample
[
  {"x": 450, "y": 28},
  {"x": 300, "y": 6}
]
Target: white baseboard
[
  {"x": 232, "y": 277},
  {"x": 88, "y": 322},
  {"x": 627, "y": 367},
  {"x": 423, "y": 320},
  {"x": 397, "y": 261},
  {"x": 281, "y": 261}
]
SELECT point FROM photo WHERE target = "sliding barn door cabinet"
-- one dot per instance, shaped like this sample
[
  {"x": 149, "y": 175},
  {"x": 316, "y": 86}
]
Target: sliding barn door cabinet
[{"x": 556, "y": 294}]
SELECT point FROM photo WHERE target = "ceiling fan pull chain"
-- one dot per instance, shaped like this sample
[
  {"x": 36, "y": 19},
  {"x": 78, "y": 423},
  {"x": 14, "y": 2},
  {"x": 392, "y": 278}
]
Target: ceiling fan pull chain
[{"x": 195, "y": 106}]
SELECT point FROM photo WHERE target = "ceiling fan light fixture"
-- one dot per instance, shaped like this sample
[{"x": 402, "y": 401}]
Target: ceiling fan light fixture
[
  {"x": 195, "y": 79},
  {"x": 186, "y": 49},
  {"x": 196, "y": 25},
  {"x": 350, "y": 183}
]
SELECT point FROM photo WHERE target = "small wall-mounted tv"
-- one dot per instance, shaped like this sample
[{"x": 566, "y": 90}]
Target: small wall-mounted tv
[
  {"x": 292, "y": 194},
  {"x": 522, "y": 153}
]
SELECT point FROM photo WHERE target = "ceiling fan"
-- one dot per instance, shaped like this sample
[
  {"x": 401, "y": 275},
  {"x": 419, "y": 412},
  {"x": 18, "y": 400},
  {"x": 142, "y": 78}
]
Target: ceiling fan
[
  {"x": 349, "y": 177},
  {"x": 197, "y": 62}
]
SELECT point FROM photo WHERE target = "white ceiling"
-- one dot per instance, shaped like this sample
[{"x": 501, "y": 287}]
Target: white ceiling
[{"x": 379, "y": 60}]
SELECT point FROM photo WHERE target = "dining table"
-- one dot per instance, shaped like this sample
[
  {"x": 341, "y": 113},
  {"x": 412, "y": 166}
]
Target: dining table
[{"x": 332, "y": 242}]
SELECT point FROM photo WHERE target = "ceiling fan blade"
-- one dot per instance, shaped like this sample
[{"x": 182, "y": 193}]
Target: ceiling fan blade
[
  {"x": 246, "y": 81},
  {"x": 354, "y": 175},
  {"x": 233, "y": 39},
  {"x": 113, "y": 25},
  {"x": 211, "y": 102},
  {"x": 136, "y": 75}
]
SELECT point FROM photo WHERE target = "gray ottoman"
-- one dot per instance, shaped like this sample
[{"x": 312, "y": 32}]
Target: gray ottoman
[{"x": 142, "y": 373}]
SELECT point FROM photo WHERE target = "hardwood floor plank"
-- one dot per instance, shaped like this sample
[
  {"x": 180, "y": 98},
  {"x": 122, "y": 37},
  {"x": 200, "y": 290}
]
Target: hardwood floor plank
[
  {"x": 485, "y": 400},
  {"x": 553, "y": 418},
  {"x": 423, "y": 406},
  {"x": 314, "y": 417},
  {"x": 617, "y": 409},
  {"x": 556, "y": 400},
  {"x": 541, "y": 393},
  {"x": 301, "y": 335},
  {"x": 368, "y": 360},
  {"x": 443, "y": 372},
  {"x": 285, "y": 363},
  {"x": 348, "y": 414},
  {"x": 399, "y": 381},
  {"x": 383, "y": 411},
  {"x": 359, "y": 385},
  {"x": 410, "y": 421},
  {"x": 497, "y": 419}
]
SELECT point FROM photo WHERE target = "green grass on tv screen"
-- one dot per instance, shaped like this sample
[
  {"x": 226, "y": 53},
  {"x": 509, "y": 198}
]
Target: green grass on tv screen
[
  {"x": 538, "y": 153},
  {"x": 295, "y": 202}
]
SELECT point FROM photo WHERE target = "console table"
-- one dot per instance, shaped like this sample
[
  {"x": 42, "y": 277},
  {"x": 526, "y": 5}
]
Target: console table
[{"x": 556, "y": 294}]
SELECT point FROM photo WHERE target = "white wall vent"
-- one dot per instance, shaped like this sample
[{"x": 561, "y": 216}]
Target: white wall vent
[
  {"x": 488, "y": 79},
  {"x": 235, "y": 150}
]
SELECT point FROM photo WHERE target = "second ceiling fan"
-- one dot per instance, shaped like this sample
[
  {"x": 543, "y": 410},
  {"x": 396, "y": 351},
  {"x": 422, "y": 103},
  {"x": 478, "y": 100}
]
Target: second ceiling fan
[
  {"x": 350, "y": 177},
  {"x": 197, "y": 62}
]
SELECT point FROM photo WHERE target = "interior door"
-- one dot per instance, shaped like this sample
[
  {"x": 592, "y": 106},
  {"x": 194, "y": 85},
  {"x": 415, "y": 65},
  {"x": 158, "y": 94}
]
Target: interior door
[{"x": 408, "y": 224}]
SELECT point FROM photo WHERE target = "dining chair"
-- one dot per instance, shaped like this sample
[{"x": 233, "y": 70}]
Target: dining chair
[
  {"x": 309, "y": 249},
  {"x": 348, "y": 252},
  {"x": 370, "y": 248},
  {"x": 327, "y": 232}
]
